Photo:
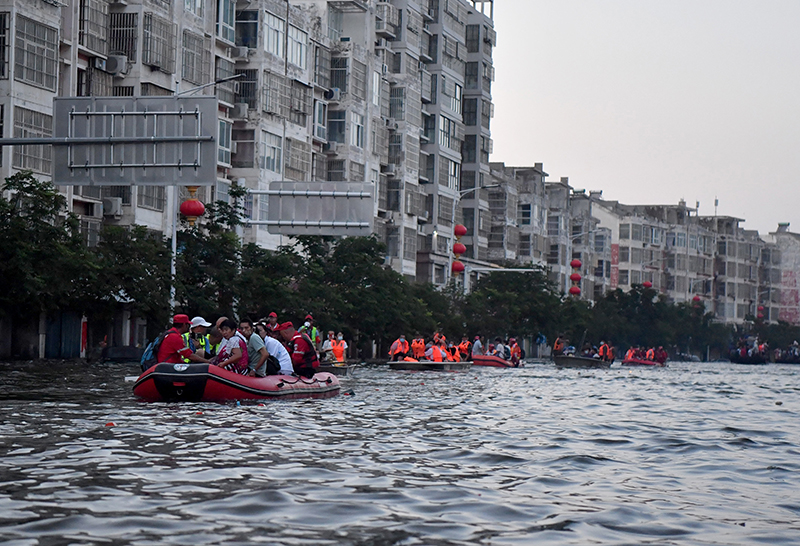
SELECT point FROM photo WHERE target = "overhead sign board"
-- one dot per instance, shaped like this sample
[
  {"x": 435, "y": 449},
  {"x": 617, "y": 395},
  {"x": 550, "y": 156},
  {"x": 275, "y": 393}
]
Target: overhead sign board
[
  {"x": 319, "y": 208},
  {"x": 120, "y": 141}
]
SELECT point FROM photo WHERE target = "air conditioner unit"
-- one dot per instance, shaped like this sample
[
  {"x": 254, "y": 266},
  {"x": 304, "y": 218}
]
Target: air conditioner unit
[
  {"x": 333, "y": 95},
  {"x": 392, "y": 124},
  {"x": 99, "y": 63},
  {"x": 331, "y": 148},
  {"x": 112, "y": 206},
  {"x": 239, "y": 53},
  {"x": 117, "y": 65},
  {"x": 234, "y": 147},
  {"x": 239, "y": 110}
]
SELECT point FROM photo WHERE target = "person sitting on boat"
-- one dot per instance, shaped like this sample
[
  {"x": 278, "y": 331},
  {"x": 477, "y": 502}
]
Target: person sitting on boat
[
  {"x": 326, "y": 353},
  {"x": 173, "y": 348},
  {"x": 661, "y": 355},
  {"x": 303, "y": 352},
  {"x": 399, "y": 348},
  {"x": 313, "y": 333},
  {"x": 418, "y": 347},
  {"x": 586, "y": 351},
  {"x": 559, "y": 345},
  {"x": 651, "y": 354},
  {"x": 464, "y": 348},
  {"x": 214, "y": 341},
  {"x": 256, "y": 351},
  {"x": 435, "y": 353},
  {"x": 631, "y": 354},
  {"x": 233, "y": 350},
  {"x": 452, "y": 353},
  {"x": 272, "y": 323},
  {"x": 516, "y": 352},
  {"x": 477, "y": 346},
  {"x": 604, "y": 352},
  {"x": 438, "y": 337},
  {"x": 499, "y": 348},
  {"x": 338, "y": 348},
  {"x": 278, "y": 362},
  {"x": 196, "y": 338}
]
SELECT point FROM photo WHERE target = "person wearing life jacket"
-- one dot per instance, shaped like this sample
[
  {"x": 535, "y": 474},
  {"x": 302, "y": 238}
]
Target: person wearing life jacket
[
  {"x": 439, "y": 338},
  {"x": 196, "y": 338},
  {"x": 418, "y": 348},
  {"x": 558, "y": 346},
  {"x": 311, "y": 331},
  {"x": 631, "y": 354},
  {"x": 399, "y": 348},
  {"x": 302, "y": 350},
  {"x": 464, "y": 348},
  {"x": 173, "y": 348},
  {"x": 435, "y": 353},
  {"x": 651, "y": 354},
  {"x": 516, "y": 351},
  {"x": 605, "y": 351},
  {"x": 338, "y": 348}
]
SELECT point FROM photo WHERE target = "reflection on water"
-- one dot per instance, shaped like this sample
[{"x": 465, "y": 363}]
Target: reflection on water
[{"x": 689, "y": 454}]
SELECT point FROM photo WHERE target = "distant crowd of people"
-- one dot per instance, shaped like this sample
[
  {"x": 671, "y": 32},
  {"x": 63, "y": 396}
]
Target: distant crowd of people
[
  {"x": 257, "y": 349},
  {"x": 439, "y": 349}
]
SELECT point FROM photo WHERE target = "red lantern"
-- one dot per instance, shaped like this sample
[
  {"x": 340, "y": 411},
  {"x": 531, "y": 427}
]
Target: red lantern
[
  {"x": 192, "y": 208},
  {"x": 647, "y": 284},
  {"x": 575, "y": 277},
  {"x": 760, "y": 315},
  {"x": 575, "y": 290},
  {"x": 457, "y": 267},
  {"x": 760, "y": 307},
  {"x": 459, "y": 231},
  {"x": 575, "y": 264},
  {"x": 459, "y": 249},
  {"x": 696, "y": 299}
]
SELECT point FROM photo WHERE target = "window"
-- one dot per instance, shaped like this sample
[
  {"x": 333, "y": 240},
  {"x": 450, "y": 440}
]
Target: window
[
  {"x": 93, "y": 32},
  {"x": 297, "y": 158},
  {"x": 194, "y": 6},
  {"x": 36, "y": 53},
  {"x": 357, "y": 129},
  {"x": 624, "y": 254},
  {"x": 336, "y": 172},
  {"x": 397, "y": 103},
  {"x": 471, "y": 112},
  {"x": 524, "y": 215},
  {"x": 274, "y": 37},
  {"x": 553, "y": 226},
  {"x": 224, "y": 142},
  {"x": 473, "y": 38},
  {"x": 336, "y": 125},
  {"x": 680, "y": 240},
  {"x": 226, "y": 20},
  {"x": 247, "y": 29},
  {"x": 322, "y": 66},
  {"x": 226, "y": 91},
  {"x": 247, "y": 87},
  {"x": 449, "y": 173},
  {"x": 623, "y": 276},
  {"x": 245, "y": 142},
  {"x": 357, "y": 172},
  {"x": 320, "y": 120},
  {"x": 159, "y": 43},
  {"x": 4, "y": 41},
  {"x": 335, "y": 23},
  {"x": 151, "y": 197},
  {"x": 376, "y": 89},
  {"x": 624, "y": 231},
  {"x": 297, "y": 47},
  {"x": 636, "y": 232},
  {"x": 359, "y": 88},
  {"x": 300, "y": 99},
  {"x": 447, "y": 133},
  {"x": 270, "y": 152},
  {"x": 339, "y": 73},
  {"x": 123, "y": 35},
  {"x": 469, "y": 152},
  {"x": 29, "y": 124},
  {"x": 471, "y": 75},
  {"x": 196, "y": 57}
]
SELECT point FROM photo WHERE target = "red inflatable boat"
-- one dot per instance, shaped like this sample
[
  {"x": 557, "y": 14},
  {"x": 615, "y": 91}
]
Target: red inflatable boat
[
  {"x": 489, "y": 360},
  {"x": 208, "y": 383},
  {"x": 642, "y": 362}
]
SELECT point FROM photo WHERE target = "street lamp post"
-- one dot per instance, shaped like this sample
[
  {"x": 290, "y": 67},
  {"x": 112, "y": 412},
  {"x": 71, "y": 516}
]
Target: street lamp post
[{"x": 460, "y": 194}]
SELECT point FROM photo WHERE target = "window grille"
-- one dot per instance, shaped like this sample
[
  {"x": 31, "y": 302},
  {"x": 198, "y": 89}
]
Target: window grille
[
  {"x": 122, "y": 91},
  {"x": 36, "y": 53},
  {"x": 336, "y": 172},
  {"x": 196, "y": 58},
  {"x": 336, "y": 125},
  {"x": 159, "y": 43},
  {"x": 274, "y": 88},
  {"x": 409, "y": 243},
  {"x": 122, "y": 38},
  {"x": 153, "y": 90},
  {"x": 473, "y": 38},
  {"x": 245, "y": 156},
  {"x": 298, "y": 160},
  {"x": 248, "y": 87},
  {"x": 359, "y": 80},
  {"x": 397, "y": 103},
  {"x": 396, "y": 149},
  {"x": 225, "y": 90},
  {"x": 4, "y": 41},
  {"x": 357, "y": 172},
  {"x": 471, "y": 75},
  {"x": 319, "y": 167},
  {"x": 93, "y": 82},
  {"x": 299, "y": 103},
  {"x": 339, "y": 73},
  {"x": 151, "y": 197},
  {"x": 93, "y": 25},
  {"x": 322, "y": 66},
  {"x": 28, "y": 124},
  {"x": 123, "y": 192}
]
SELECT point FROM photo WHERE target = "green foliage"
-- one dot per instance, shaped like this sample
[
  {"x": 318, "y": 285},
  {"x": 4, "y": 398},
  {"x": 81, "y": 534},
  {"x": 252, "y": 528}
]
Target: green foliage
[{"x": 43, "y": 260}]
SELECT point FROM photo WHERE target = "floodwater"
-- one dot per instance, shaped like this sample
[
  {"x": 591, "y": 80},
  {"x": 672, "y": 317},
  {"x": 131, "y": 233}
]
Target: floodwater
[{"x": 692, "y": 454}]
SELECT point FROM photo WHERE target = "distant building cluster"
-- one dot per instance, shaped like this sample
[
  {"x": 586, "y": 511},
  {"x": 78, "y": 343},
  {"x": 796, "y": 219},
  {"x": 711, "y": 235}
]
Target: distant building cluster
[{"x": 397, "y": 93}]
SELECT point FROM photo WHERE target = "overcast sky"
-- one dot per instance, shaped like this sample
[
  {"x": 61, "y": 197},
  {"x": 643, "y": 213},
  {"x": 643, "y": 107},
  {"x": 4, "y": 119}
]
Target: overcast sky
[{"x": 654, "y": 101}]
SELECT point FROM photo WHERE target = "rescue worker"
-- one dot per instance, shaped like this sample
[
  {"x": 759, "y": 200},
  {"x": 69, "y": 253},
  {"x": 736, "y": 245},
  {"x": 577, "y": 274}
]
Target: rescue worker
[
  {"x": 516, "y": 351},
  {"x": 311, "y": 331},
  {"x": 418, "y": 348},
  {"x": 272, "y": 323},
  {"x": 399, "y": 348},
  {"x": 604, "y": 351},
  {"x": 196, "y": 338},
  {"x": 558, "y": 346},
  {"x": 435, "y": 353},
  {"x": 651, "y": 354},
  {"x": 173, "y": 348},
  {"x": 338, "y": 348},
  {"x": 301, "y": 348}
]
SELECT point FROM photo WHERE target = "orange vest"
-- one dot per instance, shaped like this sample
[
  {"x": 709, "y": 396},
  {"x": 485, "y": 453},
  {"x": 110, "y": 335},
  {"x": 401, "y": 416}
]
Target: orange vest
[
  {"x": 463, "y": 347},
  {"x": 399, "y": 346},
  {"x": 516, "y": 351},
  {"x": 604, "y": 351},
  {"x": 558, "y": 346},
  {"x": 651, "y": 354},
  {"x": 437, "y": 355},
  {"x": 337, "y": 347},
  {"x": 418, "y": 347}
]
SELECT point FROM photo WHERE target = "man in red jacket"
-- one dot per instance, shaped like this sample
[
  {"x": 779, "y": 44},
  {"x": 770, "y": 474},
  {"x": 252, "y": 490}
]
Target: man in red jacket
[
  {"x": 301, "y": 348},
  {"x": 173, "y": 348}
]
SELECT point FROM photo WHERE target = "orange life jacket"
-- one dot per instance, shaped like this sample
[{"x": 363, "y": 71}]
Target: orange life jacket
[
  {"x": 437, "y": 354},
  {"x": 463, "y": 348},
  {"x": 418, "y": 348},
  {"x": 399, "y": 346},
  {"x": 337, "y": 347},
  {"x": 651, "y": 354}
]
